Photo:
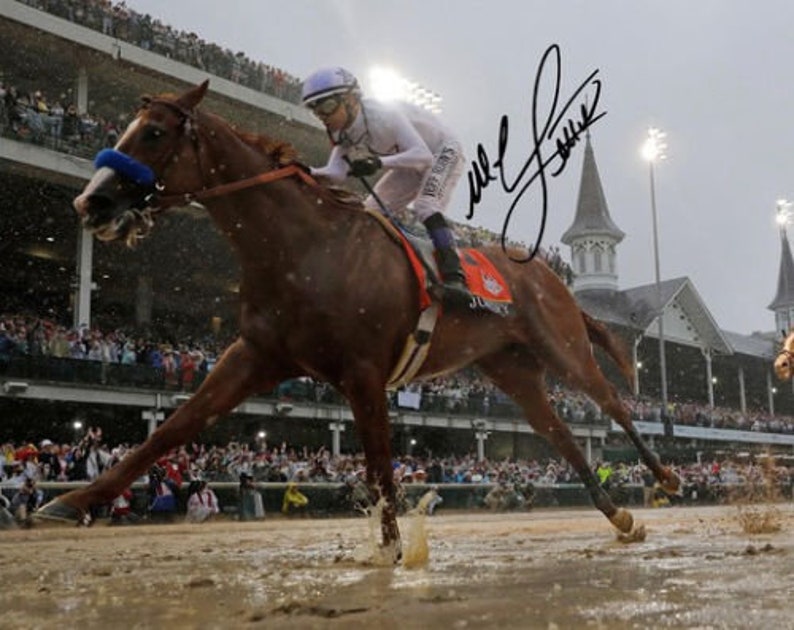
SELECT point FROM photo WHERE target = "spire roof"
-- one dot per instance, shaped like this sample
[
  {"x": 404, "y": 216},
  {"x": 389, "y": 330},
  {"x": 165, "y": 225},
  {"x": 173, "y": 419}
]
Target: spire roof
[
  {"x": 592, "y": 214},
  {"x": 785, "y": 278}
]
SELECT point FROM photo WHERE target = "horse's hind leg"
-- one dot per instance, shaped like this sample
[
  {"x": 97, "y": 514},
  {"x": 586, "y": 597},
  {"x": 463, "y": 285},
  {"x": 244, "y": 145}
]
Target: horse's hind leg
[
  {"x": 520, "y": 376},
  {"x": 616, "y": 409},
  {"x": 582, "y": 372}
]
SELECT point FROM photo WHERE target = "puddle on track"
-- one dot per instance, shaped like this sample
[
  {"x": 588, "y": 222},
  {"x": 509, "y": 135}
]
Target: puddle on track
[{"x": 544, "y": 569}]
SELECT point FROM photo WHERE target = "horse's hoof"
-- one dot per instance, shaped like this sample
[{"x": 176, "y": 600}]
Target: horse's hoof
[
  {"x": 672, "y": 483},
  {"x": 62, "y": 512},
  {"x": 635, "y": 535},
  {"x": 623, "y": 520},
  {"x": 389, "y": 554}
]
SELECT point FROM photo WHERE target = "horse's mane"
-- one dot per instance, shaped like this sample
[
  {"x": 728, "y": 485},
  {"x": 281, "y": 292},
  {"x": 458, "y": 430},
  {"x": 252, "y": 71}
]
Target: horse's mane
[{"x": 282, "y": 153}]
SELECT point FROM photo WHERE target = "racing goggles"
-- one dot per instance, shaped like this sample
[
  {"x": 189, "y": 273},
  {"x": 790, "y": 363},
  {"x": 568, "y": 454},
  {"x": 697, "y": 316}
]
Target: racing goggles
[{"x": 326, "y": 106}]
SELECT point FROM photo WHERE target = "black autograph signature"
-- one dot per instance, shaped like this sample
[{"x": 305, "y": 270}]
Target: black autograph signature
[{"x": 564, "y": 134}]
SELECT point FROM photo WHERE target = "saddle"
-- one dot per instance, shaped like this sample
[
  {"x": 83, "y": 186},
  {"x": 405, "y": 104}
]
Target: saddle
[
  {"x": 486, "y": 284},
  {"x": 488, "y": 288}
]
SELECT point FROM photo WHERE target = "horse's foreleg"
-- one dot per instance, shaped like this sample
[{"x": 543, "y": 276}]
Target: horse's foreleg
[
  {"x": 239, "y": 373},
  {"x": 519, "y": 376},
  {"x": 368, "y": 402}
]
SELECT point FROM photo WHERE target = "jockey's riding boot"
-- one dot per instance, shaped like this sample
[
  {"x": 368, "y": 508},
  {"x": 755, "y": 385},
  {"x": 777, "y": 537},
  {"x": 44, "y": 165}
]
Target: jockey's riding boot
[{"x": 456, "y": 293}]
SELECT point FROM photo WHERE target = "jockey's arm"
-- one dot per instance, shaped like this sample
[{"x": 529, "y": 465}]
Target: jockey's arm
[{"x": 412, "y": 150}]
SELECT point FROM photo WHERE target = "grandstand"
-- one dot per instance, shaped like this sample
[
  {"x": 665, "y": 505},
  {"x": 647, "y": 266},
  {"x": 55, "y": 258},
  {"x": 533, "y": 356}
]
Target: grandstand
[{"x": 179, "y": 287}]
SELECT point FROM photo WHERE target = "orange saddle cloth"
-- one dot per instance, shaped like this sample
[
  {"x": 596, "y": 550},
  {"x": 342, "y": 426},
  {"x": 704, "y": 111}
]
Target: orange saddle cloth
[
  {"x": 486, "y": 284},
  {"x": 484, "y": 280}
]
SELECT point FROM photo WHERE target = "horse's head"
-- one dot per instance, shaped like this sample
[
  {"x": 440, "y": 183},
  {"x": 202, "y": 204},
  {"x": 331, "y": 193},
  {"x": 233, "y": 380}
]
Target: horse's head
[
  {"x": 784, "y": 363},
  {"x": 117, "y": 202}
]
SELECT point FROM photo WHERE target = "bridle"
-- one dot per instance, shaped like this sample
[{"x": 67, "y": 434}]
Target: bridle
[
  {"x": 143, "y": 176},
  {"x": 183, "y": 199},
  {"x": 786, "y": 353}
]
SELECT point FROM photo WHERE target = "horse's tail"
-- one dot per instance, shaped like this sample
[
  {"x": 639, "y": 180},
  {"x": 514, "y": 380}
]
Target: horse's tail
[{"x": 601, "y": 336}]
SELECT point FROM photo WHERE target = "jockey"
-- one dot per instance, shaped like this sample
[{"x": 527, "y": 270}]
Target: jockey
[{"x": 423, "y": 159}]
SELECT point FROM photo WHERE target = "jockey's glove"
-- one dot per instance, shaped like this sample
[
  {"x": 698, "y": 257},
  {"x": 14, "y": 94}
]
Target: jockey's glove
[{"x": 365, "y": 166}]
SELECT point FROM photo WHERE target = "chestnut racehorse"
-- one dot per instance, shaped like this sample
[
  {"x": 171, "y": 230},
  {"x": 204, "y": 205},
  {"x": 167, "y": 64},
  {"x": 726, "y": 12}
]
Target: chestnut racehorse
[{"x": 326, "y": 292}]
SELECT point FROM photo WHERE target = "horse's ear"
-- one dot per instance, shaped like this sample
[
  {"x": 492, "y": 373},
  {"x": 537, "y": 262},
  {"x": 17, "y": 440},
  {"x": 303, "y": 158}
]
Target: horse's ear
[{"x": 193, "y": 97}]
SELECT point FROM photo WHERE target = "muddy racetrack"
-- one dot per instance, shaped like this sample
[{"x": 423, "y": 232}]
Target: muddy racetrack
[{"x": 544, "y": 569}]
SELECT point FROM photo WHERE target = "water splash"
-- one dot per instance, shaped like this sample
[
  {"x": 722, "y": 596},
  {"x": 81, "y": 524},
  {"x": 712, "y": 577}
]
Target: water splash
[
  {"x": 415, "y": 547},
  {"x": 764, "y": 519},
  {"x": 416, "y": 551},
  {"x": 372, "y": 552}
]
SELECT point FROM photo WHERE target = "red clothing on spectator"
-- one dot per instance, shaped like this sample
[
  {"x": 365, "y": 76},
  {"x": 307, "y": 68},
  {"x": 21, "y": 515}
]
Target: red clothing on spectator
[
  {"x": 122, "y": 504},
  {"x": 188, "y": 366}
]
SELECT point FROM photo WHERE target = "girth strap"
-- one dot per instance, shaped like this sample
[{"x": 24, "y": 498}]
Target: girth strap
[
  {"x": 418, "y": 343},
  {"x": 416, "y": 348}
]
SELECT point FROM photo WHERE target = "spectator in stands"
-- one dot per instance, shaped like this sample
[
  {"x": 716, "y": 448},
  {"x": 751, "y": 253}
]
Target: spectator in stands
[
  {"x": 202, "y": 504},
  {"x": 96, "y": 456},
  {"x": 7, "y": 347},
  {"x": 70, "y": 130},
  {"x": 251, "y": 507},
  {"x": 423, "y": 159},
  {"x": 170, "y": 368},
  {"x": 604, "y": 473},
  {"x": 162, "y": 495},
  {"x": 648, "y": 487},
  {"x": 187, "y": 365},
  {"x": 121, "y": 510},
  {"x": 56, "y": 121},
  {"x": 36, "y": 111},
  {"x": 294, "y": 501},
  {"x": 49, "y": 463},
  {"x": 27, "y": 499},
  {"x": 174, "y": 467}
]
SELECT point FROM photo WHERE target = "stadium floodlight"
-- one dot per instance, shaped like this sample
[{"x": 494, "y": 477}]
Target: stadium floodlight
[
  {"x": 783, "y": 213},
  {"x": 653, "y": 150},
  {"x": 387, "y": 84}
]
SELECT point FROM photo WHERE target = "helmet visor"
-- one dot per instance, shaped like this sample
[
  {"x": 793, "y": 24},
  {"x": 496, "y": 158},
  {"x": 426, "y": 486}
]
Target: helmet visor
[{"x": 325, "y": 106}]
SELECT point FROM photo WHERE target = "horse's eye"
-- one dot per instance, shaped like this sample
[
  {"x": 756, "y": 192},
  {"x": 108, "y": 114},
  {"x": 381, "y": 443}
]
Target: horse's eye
[{"x": 152, "y": 134}]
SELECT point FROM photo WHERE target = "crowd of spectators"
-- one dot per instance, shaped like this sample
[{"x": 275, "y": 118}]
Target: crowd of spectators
[
  {"x": 28, "y": 113},
  {"x": 699, "y": 415},
  {"x": 262, "y": 462},
  {"x": 182, "y": 365},
  {"x": 116, "y": 19}
]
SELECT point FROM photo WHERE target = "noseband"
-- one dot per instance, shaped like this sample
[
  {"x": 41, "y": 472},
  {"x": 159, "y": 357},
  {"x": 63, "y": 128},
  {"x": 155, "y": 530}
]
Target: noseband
[{"x": 143, "y": 176}]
